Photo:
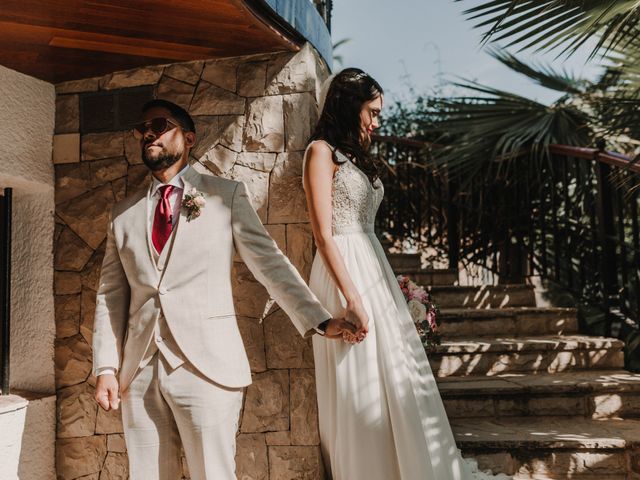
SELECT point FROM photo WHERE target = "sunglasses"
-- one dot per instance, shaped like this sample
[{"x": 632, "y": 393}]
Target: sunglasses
[{"x": 157, "y": 125}]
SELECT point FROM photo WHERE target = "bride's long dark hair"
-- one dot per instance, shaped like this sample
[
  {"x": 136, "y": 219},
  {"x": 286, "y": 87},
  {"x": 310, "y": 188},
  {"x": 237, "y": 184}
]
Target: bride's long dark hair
[{"x": 339, "y": 123}]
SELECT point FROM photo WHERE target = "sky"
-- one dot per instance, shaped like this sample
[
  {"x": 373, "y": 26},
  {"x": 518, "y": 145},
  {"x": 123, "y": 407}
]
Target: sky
[{"x": 424, "y": 43}]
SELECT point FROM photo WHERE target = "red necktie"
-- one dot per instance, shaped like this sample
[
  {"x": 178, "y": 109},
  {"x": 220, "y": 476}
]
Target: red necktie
[{"x": 163, "y": 219}]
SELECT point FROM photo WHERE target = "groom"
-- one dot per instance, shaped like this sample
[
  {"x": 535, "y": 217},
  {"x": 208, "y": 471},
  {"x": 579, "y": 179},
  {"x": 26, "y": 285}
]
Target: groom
[{"x": 166, "y": 340}]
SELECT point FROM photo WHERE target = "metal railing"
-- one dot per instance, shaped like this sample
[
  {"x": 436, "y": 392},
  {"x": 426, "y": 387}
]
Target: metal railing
[
  {"x": 589, "y": 233},
  {"x": 574, "y": 222},
  {"x": 5, "y": 288},
  {"x": 417, "y": 211}
]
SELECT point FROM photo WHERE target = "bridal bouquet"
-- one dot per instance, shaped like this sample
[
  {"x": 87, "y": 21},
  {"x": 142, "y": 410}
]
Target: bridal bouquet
[{"x": 424, "y": 311}]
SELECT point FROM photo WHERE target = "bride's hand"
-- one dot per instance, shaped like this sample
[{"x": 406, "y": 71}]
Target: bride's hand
[
  {"x": 338, "y": 328},
  {"x": 356, "y": 315}
]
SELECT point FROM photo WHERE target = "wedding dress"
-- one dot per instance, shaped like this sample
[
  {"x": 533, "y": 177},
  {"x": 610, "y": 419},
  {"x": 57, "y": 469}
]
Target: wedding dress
[{"x": 380, "y": 413}]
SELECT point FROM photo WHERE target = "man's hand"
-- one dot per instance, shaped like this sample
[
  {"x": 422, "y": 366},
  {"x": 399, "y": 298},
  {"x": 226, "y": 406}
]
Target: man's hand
[
  {"x": 107, "y": 392},
  {"x": 357, "y": 316},
  {"x": 337, "y": 327}
]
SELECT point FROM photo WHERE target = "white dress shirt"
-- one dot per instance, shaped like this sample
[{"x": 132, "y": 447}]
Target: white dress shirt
[{"x": 175, "y": 199}]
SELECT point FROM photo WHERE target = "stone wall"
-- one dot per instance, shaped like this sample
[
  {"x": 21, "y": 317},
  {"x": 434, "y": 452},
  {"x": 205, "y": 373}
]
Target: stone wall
[{"x": 253, "y": 116}]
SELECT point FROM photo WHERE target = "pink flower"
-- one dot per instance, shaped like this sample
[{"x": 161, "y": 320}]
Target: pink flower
[
  {"x": 423, "y": 311},
  {"x": 431, "y": 318},
  {"x": 193, "y": 202}
]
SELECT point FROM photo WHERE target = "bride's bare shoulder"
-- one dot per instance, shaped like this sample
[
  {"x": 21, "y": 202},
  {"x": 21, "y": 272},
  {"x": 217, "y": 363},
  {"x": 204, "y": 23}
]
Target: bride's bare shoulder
[
  {"x": 319, "y": 151},
  {"x": 320, "y": 147}
]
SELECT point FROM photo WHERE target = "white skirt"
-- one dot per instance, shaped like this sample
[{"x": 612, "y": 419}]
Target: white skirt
[{"x": 380, "y": 412}]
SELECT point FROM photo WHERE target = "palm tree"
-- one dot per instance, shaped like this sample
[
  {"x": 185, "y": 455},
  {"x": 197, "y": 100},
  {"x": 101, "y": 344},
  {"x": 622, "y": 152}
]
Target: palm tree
[
  {"x": 496, "y": 158},
  {"x": 545, "y": 25},
  {"x": 488, "y": 126},
  {"x": 496, "y": 142},
  {"x": 499, "y": 143},
  {"x": 549, "y": 24},
  {"x": 496, "y": 150}
]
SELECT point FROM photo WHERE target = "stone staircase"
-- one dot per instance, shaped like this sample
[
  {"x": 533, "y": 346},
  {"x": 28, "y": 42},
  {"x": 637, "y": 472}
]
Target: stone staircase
[{"x": 526, "y": 394}]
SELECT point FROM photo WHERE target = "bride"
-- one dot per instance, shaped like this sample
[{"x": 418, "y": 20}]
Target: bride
[{"x": 380, "y": 412}]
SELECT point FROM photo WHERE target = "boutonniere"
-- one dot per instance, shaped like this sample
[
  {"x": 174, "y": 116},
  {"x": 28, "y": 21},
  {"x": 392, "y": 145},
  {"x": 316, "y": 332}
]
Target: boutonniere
[{"x": 193, "y": 202}]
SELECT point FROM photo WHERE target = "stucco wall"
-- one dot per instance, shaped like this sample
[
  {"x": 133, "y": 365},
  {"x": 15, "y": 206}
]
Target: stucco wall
[
  {"x": 27, "y": 120},
  {"x": 253, "y": 116},
  {"x": 27, "y": 117}
]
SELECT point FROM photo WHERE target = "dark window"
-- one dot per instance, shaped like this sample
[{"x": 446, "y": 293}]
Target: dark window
[{"x": 112, "y": 110}]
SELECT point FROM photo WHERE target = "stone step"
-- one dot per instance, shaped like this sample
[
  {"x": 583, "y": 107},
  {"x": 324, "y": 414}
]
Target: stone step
[
  {"x": 486, "y": 296},
  {"x": 536, "y": 448},
  {"x": 516, "y": 321},
  {"x": 431, "y": 277},
  {"x": 402, "y": 262},
  {"x": 588, "y": 394},
  {"x": 535, "y": 354},
  {"x": 409, "y": 264}
]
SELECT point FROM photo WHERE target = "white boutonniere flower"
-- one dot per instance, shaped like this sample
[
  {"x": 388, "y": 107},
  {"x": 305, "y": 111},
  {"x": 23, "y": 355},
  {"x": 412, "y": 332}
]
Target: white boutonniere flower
[{"x": 193, "y": 202}]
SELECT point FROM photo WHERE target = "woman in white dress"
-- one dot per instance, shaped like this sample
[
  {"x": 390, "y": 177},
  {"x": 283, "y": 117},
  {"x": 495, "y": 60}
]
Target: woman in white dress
[{"x": 381, "y": 416}]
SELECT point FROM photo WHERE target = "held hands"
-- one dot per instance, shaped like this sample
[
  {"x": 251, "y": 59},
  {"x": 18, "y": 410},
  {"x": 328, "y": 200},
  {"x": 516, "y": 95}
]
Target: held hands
[
  {"x": 338, "y": 327},
  {"x": 107, "y": 392},
  {"x": 353, "y": 328},
  {"x": 356, "y": 315}
]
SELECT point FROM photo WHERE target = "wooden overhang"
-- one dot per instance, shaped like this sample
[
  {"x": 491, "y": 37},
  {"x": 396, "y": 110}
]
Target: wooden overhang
[{"x": 72, "y": 39}]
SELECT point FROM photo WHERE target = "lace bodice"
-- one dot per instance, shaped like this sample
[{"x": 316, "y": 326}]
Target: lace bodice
[{"x": 355, "y": 200}]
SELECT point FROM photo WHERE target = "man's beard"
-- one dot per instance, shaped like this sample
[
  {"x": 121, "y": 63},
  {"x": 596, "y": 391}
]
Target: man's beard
[{"x": 163, "y": 161}]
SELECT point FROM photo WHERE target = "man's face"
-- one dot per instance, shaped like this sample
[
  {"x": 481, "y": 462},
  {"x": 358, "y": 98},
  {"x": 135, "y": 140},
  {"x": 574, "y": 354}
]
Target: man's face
[{"x": 163, "y": 150}]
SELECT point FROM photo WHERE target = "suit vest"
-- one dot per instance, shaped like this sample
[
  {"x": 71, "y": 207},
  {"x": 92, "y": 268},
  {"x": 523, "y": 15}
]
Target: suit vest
[{"x": 162, "y": 339}]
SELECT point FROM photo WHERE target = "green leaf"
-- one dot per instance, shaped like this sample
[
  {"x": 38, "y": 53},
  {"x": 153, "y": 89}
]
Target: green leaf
[{"x": 551, "y": 24}]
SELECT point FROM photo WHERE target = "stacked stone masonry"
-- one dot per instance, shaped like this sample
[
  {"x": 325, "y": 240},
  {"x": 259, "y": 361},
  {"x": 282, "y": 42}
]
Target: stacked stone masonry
[{"x": 253, "y": 116}]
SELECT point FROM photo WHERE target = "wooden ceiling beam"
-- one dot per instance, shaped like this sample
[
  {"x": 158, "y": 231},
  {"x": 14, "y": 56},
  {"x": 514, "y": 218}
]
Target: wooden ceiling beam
[
  {"x": 64, "y": 38},
  {"x": 73, "y": 39}
]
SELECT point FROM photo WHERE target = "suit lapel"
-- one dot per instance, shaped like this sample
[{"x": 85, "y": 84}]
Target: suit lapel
[{"x": 136, "y": 225}]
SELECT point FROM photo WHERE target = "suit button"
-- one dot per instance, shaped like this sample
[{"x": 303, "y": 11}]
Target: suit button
[
  {"x": 162, "y": 290},
  {"x": 159, "y": 339}
]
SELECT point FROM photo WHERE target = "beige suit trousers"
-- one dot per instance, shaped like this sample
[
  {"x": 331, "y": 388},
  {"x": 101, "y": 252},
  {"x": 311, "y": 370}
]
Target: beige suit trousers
[{"x": 165, "y": 406}]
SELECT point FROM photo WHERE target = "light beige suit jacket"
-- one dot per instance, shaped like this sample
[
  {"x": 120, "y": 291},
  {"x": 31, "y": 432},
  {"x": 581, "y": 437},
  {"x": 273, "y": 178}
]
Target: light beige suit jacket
[{"x": 194, "y": 289}]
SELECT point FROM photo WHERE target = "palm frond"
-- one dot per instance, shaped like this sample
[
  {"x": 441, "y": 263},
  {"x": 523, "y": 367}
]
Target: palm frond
[
  {"x": 551, "y": 24},
  {"x": 339, "y": 58},
  {"x": 544, "y": 75},
  {"x": 494, "y": 128},
  {"x": 340, "y": 43},
  {"x": 624, "y": 61}
]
